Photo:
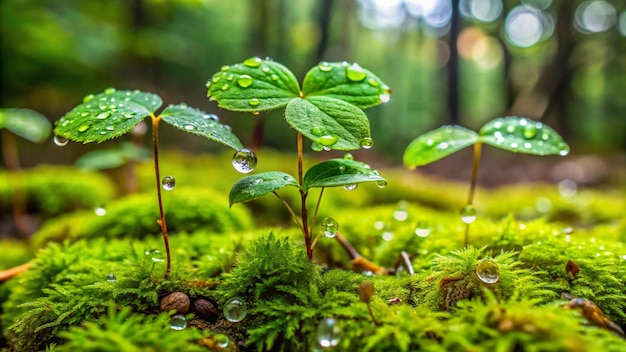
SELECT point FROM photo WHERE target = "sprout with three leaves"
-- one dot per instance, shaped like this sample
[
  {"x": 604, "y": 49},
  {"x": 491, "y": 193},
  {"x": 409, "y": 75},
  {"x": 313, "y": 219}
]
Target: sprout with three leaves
[
  {"x": 515, "y": 134},
  {"x": 113, "y": 113},
  {"x": 326, "y": 110}
]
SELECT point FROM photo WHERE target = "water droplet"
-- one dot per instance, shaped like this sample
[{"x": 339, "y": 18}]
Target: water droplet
[
  {"x": 387, "y": 235},
  {"x": 351, "y": 187},
  {"x": 253, "y": 61},
  {"x": 401, "y": 213},
  {"x": 443, "y": 145},
  {"x": 372, "y": 82},
  {"x": 225, "y": 68},
  {"x": 60, "y": 141},
  {"x": 190, "y": 127},
  {"x": 244, "y": 160},
  {"x": 348, "y": 156},
  {"x": 103, "y": 115},
  {"x": 488, "y": 272},
  {"x": 244, "y": 81},
  {"x": 545, "y": 136},
  {"x": 327, "y": 140},
  {"x": 384, "y": 97},
  {"x": 168, "y": 183},
  {"x": 342, "y": 169},
  {"x": 258, "y": 180},
  {"x": 178, "y": 322},
  {"x": 221, "y": 340},
  {"x": 329, "y": 227},
  {"x": 211, "y": 117},
  {"x": 265, "y": 69},
  {"x": 316, "y": 147},
  {"x": 225, "y": 87},
  {"x": 235, "y": 310},
  {"x": 514, "y": 145},
  {"x": 84, "y": 114},
  {"x": 129, "y": 115},
  {"x": 422, "y": 229},
  {"x": 381, "y": 183},
  {"x": 100, "y": 211},
  {"x": 367, "y": 143},
  {"x": 468, "y": 214},
  {"x": 230, "y": 77},
  {"x": 109, "y": 128},
  {"x": 155, "y": 255},
  {"x": 254, "y": 102},
  {"x": 318, "y": 131},
  {"x": 564, "y": 151},
  {"x": 88, "y": 98},
  {"x": 355, "y": 73},
  {"x": 83, "y": 128},
  {"x": 510, "y": 128},
  {"x": 530, "y": 131},
  {"x": 328, "y": 333},
  {"x": 568, "y": 230},
  {"x": 111, "y": 278},
  {"x": 274, "y": 77},
  {"x": 379, "y": 225},
  {"x": 109, "y": 90},
  {"x": 324, "y": 66},
  {"x": 567, "y": 188}
]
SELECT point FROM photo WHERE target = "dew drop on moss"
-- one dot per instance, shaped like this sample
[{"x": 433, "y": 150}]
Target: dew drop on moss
[
  {"x": 422, "y": 229},
  {"x": 100, "y": 211},
  {"x": 244, "y": 160},
  {"x": 178, "y": 322},
  {"x": 324, "y": 66},
  {"x": 235, "y": 310},
  {"x": 111, "y": 278},
  {"x": 329, "y": 227},
  {"x": 468, "y": 214},
  {"x": 387, "y": 235},
  {"x": 253, "y": 61},
  {"x": 367, "y": 143},
  {"x": 355, "y": 73},
  {"x": 60, "y": 141},
  {"x": 155, "y": 255},
  {"x": 401, "y": 213},
  {"x": 244, "y": 81},
  {"x": 350, "y": 187},
  {"x": 328, "y": 333},
  {"x": 221, "y": 340},
  {"x": 168, "y": 183},
  {"x": 487, "y": 271}
]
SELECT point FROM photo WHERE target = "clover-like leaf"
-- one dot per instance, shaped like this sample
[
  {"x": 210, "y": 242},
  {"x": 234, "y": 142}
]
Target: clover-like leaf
[
  {"x": 26, "y": 123},
  {"x": 437, "y": 144},
  {"x": 107, "y": 115},
  {"x": 111, "y": 158},
  {"x": 340, "y": 172},
  {"x": 329, "y": 122},
  {"x": 522, "y": 135},
  {"x": 348, "y": 82},
  {"x": 256, "y": 186},
  {"x": 200, "y": 123},
  {"x": 254, "y": 85}
]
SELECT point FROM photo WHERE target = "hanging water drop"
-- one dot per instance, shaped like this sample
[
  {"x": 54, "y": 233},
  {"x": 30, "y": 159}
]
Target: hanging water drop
[
  {"x": 100, "y": 211},
  {"x": 350, "y": 187},
  {"x": 244, "y": 160},
  {"x": 244, "y": 81},
  {"x": 422, "y": 229},
  {"x": 253, "y": 61},
  {"x": 488, "y": 271},
  {"x": 381, "y": 183},
  {"x": 327, "y": 140},
  {"x": 468, "y": 214},
  {"x": 348, "y": 156},
  {"x": 254, "y": 102},
  {"x": 155, "y": 255},
  {"x": 355, "y": 73},
  {"x": 211, "y": 117},
  {"x": 328, "y": 333},
  {"x": 235, "y": 310},
  {"x": 316, "y": 147},
  {"x": 168, "y": 183},
  {"x": 60, "y": 141},
  {"x": 384, "y": 97},
  {"x": 329, "y": 227},
  {"x": 401, "y": 213},
  {"x": 367, "y": 143},
  {"x": 178, "y": 322},
  {"x": 111, "y": 278},
  {"x": 222, "y": 340}
]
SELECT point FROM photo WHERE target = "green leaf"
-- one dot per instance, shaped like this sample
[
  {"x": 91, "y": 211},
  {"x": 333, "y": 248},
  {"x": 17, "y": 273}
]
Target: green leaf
[
  {"x": 254, "y": 85},
  {"x": 438, "y": 144},
  {"x": 111, "y": 158},
  {"x": 200, "y": 123},
  {"x": 26, "y": 123},
  {"x": 329, "y": 122},
  {"x": 522, "y": 135},
  {"x": 256, "y": 186},
  {"x": 107, "y": 115},
  {"x": 340, "y": 172},
  {"x": 350, "y": 83}
]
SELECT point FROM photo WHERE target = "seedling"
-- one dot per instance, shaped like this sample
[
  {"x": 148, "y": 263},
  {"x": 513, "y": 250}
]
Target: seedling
[
  {"x": 113, "y": 113},
  {"x": 29, "y": 125},
  {"x": 326, "y": 110},
  {"x": 515, "y": 134}
]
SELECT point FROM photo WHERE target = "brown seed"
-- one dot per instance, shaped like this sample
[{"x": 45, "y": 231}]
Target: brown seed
[
  {"x": 175, "y": 301},
  {"x": 205, "y": 309}
]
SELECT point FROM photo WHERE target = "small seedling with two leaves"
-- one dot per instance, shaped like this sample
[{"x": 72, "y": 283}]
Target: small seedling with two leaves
[
  {"x": 113, "y": 113},
  {"x": 515, "y": 134},
  {"x": 327, "y": 110}
]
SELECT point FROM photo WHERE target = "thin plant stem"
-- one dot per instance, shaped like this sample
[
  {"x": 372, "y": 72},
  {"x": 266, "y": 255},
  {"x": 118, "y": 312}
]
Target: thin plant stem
[
  {"x": 317, "y": 208},
  {"x": 12, "y": 160},
  {"x": 303, "y": 195},
  {"x": 161, "y": 221},
  {"x": 472, "y": 190},
  {"x": 293, "y": 214},
  {"x": 12, "y": 272}
]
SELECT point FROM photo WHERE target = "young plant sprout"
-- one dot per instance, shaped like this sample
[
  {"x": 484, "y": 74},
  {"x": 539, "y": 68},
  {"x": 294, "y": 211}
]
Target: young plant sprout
[
  {"x": 113, "y": 113},
  {"x": 326, "y": 110},
  {"x": 29, "y": 125},
  {"x": 515, "y": 134}
]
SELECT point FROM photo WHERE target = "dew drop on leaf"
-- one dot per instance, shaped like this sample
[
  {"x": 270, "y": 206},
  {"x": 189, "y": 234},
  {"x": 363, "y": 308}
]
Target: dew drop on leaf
[
  {"x": 530, "y": 131},
  {"x": 235, "y": 310},
  {"x": 84, "y": 114},
  {"x": 329, "y": 227},
  {"x": 60, "y": 141},
  {"x": 190, "y": 127},
  {"x": 254, "y": 102},
  {"x": 367, "y": 143},
  {"x": 318, "y": 131},
  {"x": 88, "y": 98},
  {"x": 225, "y": 68},
  {"x": 83, "y": 128},
  {"x": 351, "y": 187},
  {"x": 253, "y": 61},
  {"x": 316, "y": 147},
  {"x": 109, "y": 90},
  {"x": 274, "y": 77},
  {"x": 327, "y": 140},
  {"x": 111, "y": 278},
  {"x": 488, "y": 272},
  {"x": 225, "y": 87},
  {"x": 211, "y": 117},
  {"x": 348, "y": 156},
  {"x": 244, "y": 160},
  {"x": 372, "y": 82},
  {"x": 324, "y": 66},
  {"x": 244, "y": 81},
  {"x": 168, "y": 183},
  {"x": 355, "y": 73},
  {"x": 109, "y": 128},
  {"x": 468, "y": 214},
  {"x": 328, "y": 333},
  {"x": 384, "y": 97},
  {"x": 178, "y": 322},
  {"x": 230, "y": 77},
  {"x": 103, "y": 115}
]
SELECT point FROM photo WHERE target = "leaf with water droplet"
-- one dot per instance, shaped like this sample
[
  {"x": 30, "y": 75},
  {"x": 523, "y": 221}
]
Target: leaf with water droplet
[
  {"x": 437, "y": 144},
  {"x": 339, "y": 172},
  {"x": 269, "y": 83},
  {"x": 523, "y": 135},
  {"x": 25, "y": 123},
  {"x": 342, "y": 120},
  {"x": 86, "y": 121},
  {"x": 193, "y": 121},
  {"x": 249, "y": 187},
  {"x": 350, "y": 83}
]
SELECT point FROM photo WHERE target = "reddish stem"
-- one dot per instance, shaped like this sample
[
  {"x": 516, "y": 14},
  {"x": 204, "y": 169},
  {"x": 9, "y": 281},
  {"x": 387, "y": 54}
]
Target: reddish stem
[
  {"x": 303, "y": 195},
  {"x": 161, "y": 221}
]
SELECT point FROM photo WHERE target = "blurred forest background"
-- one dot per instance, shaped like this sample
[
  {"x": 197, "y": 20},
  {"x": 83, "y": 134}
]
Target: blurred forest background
[{"x": 447, "y": 61}]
